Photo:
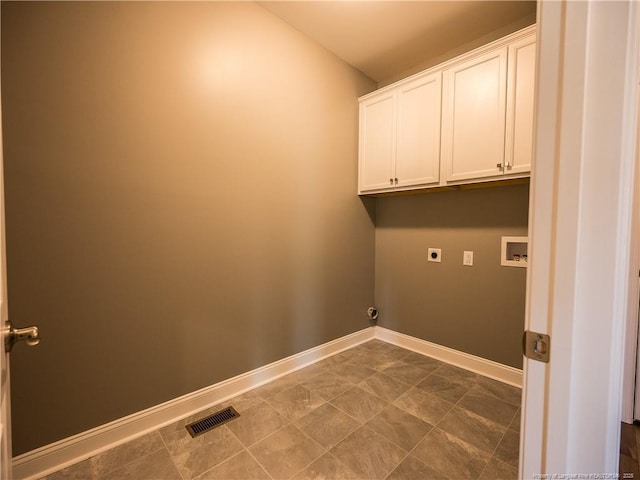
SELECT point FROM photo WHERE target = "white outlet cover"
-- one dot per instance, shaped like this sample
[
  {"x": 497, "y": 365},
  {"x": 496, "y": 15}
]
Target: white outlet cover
[
  {"x": 467, "y": 258},
  {"x": 434, "y": 255}
]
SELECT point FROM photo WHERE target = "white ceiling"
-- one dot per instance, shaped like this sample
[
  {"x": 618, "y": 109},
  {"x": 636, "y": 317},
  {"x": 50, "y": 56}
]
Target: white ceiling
[{"x": 386, "y": 38}]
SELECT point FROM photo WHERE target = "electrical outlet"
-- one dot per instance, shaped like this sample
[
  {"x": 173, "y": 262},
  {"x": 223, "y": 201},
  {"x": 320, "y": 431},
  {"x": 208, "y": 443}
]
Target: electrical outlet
[
  {"x": 467, "y": 258},
  {"x": 434, "y": 255}
]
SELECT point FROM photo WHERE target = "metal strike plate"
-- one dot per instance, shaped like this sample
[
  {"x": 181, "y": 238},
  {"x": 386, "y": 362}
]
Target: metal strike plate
[{"x": 536, "y": 346}]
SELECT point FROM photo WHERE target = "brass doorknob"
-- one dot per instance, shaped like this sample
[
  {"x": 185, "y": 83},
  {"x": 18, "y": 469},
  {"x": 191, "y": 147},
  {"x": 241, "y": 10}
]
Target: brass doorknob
[{"x": 30, "y": 335}]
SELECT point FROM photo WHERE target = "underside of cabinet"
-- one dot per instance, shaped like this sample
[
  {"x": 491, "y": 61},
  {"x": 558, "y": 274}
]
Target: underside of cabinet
[{"x": 448, "y": 188}]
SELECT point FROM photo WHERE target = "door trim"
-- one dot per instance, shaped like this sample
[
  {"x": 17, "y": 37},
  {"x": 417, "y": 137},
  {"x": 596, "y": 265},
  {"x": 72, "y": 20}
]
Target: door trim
[{"x": 580, "y": 235}]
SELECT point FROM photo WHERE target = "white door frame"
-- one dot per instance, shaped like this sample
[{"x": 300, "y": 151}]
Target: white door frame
[
  {"x": 580, "y": 230},
  {"x": 631, "y": 407},
  {"x": 630, "y": 392}
]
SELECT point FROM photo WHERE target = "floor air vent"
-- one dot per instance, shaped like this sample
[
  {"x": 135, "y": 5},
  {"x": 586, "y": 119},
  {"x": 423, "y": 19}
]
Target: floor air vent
[{"x": 212, "y": 421}]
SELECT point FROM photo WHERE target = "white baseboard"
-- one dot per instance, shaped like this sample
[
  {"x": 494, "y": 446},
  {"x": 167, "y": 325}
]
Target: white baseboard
[
  {"x": 50, "y": 458},
  {"x": 487, "y": 368}
]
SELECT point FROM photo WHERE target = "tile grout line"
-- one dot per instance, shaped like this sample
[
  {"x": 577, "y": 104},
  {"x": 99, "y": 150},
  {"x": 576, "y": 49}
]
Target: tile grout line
[
  {"x": 109, "y": 472},
  {"x": 411, "y": 386},
  {"x": 493, "y": 455},
  {"x": 218, "y": 464},
  {"x": 494, "y": 452},
  {"x": 491, "y": 394},
  {"x": 501, "y": 438},
  {"x": 259, "y": 464},
  {"x": 434, "y": 426},
  {"x": 170, "y": 456},
  {"x": 326, "y": 402},
  {"x": 326, "y": 450},
  {"x": 266, "y": 436},
  {"x": 377, "y": 370},
  {"x": 412, "y": 450},
  {"x": 503, "y": 434},
  {"x": 346, "y": 413},
  {"x": 246, "y": 448},
  {"x": 232, "y": 457},
  {"x": 289, "y": 422},
  {"x": 453, "y": 405},
  {"x": 364, "y": 424}
]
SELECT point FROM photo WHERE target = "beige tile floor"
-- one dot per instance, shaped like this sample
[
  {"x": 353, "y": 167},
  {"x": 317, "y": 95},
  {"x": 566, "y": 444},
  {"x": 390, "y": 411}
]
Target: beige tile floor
[{"x": 375, "y": 411}]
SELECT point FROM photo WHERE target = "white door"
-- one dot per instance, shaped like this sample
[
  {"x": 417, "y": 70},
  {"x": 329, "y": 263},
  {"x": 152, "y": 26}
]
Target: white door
[{"x": 473, "y": 117}]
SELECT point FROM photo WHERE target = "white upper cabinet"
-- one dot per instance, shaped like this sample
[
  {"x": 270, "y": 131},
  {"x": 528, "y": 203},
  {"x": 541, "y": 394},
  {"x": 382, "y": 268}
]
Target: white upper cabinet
[
  {"x": 400, "y": 136},
  {"x": 520, "y": 104},
  {"x": 377, "y": 141},
  {"x": 467, "y": 120},
  {"x": 487, "y": 119},
  {"x": 418, "y": 142},
  {"x": 473, "y": 120}
]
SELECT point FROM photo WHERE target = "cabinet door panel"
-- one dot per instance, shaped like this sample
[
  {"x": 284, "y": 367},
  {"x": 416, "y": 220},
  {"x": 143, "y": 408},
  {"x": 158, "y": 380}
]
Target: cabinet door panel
[
  {"x": 377, "y": 142},
  {"x": 520, "y": 104},
  {"x": 474, "y": 117},
  {"x": 418, "y": 147}
]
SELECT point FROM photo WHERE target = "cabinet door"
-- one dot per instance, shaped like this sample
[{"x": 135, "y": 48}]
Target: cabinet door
[
  {"x": 520, "y": 96},
  {"x": 473, "y": 123},
  {"x": 377, "y": 142},
  {"x": 418, "y": 132}
]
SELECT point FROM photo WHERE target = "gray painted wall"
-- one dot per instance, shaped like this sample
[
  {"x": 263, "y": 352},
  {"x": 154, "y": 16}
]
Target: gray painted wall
[
  {"x": 479, "y": 309},
  {"x": 181, "y": 208}
]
